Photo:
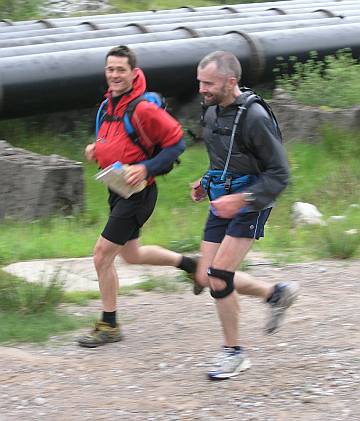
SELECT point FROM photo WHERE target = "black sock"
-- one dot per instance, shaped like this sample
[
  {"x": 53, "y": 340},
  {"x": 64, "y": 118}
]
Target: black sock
[
  {"x": 188, "y": 264},
  {"x": 235, "y": 348},
  {"x": 109, "y": 317},
  {"x": 274, "y": 297}
]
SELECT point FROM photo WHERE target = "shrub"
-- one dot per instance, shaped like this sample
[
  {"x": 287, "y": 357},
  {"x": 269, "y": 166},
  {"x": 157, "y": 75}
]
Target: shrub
[
  {"x": 333, "y": 82},
  {"x": 20, "y": 9}
]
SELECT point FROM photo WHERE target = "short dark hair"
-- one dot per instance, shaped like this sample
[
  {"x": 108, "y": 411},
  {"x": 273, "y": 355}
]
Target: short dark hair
[
  {"x": 123, "y": 51},
  {"x": 226, "y": 63}
]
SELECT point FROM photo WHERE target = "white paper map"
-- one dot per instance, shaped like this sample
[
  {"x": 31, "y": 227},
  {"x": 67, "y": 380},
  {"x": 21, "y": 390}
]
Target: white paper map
[{"x": 113, "y": 176}]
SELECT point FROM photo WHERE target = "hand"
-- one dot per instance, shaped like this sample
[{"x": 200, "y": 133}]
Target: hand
[
  {"x": 229, "y": 205},
  {"x": 197, "y": 192},
  {"x": 135, "y": 174},
  {"x": 90, "y": 152}
]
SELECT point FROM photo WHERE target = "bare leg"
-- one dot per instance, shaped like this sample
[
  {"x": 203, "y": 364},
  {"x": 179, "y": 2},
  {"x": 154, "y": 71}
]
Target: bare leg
[
  {"x": 133, "y": 253},
  {"x": 231, "y": 253},
  {"x": 104, "y": 256}
]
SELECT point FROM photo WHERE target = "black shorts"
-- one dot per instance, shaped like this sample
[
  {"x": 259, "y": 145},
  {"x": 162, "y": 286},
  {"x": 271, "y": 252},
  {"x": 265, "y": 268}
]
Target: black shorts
[
  {"x": 127, "y": 216},
  {"x": 243, "y": 225}
]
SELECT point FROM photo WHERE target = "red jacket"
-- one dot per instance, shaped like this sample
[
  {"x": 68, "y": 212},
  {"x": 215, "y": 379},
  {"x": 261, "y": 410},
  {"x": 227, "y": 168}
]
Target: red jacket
[{"x": 153, "y": 124}]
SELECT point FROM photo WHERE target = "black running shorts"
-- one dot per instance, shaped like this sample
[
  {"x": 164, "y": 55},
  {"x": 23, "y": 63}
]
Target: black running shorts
[
  {"x": 243, "y": 225},
  {"x": 127, "y": 216}
]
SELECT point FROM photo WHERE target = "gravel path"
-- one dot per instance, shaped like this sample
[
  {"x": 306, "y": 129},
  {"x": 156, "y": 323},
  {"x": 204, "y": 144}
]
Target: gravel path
[{"x": 308, "y": 371}]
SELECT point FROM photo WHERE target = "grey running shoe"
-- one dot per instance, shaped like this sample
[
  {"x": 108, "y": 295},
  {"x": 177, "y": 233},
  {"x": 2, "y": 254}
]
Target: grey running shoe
[
  {"x": 102, "y": 334},
  {"x": 229, "y": 363},
  {"x": 282, "y": 298}
]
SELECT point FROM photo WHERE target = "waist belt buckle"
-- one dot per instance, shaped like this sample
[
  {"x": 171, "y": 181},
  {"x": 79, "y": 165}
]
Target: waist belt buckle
[{"x": 227, "y": 186}]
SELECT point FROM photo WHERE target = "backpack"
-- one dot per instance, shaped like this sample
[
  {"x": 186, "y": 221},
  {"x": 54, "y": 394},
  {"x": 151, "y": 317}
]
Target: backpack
[
  {"x": 250, "y": 97},
  {"x": 152, "y": 97}
]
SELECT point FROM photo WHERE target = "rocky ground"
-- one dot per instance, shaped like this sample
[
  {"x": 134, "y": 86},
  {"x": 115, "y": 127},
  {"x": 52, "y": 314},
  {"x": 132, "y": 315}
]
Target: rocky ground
[{"x": 308, "y": 371}]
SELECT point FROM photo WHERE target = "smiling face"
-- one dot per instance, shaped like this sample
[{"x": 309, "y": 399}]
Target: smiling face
[
  {"x": 119, "y": 74},
  {"x": 215, "y": 88}
]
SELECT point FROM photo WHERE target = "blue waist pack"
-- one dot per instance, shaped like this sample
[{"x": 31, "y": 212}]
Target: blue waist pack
[{"x": 217, "y": 183}]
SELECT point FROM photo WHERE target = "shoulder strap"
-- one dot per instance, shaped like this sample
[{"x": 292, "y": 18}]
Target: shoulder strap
[
  {"x": 249, "y": 98},
  {"x": 152, "y": 97},
  {"x": 100, "y": 116}
]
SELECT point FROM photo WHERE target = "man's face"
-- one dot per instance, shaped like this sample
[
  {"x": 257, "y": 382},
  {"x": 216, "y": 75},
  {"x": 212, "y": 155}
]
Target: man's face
[
  {"x": 119, "y": 75},
  {"x": 214, "y": 87}
]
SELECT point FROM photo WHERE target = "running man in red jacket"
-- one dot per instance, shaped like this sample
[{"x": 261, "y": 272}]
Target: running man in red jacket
[{"x": 121, "y": 233}]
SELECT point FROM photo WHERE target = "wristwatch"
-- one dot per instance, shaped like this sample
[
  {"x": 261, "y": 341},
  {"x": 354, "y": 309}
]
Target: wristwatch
[{"x": 249, "y": 197}]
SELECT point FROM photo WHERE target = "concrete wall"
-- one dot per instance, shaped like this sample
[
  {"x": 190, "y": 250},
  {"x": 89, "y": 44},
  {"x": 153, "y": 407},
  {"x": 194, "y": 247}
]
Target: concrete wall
[
  {"x": 34, "y": 186},
  {"x": 303, "y": 122}
]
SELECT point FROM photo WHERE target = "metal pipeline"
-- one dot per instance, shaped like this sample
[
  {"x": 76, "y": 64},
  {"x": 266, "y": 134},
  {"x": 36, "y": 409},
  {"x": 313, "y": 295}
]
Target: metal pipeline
[
  {"x": 301, "y": 3},
  {"x": 65, "y": 34},
  {"x": 6, "y": 33},
  {"x": 72, "y": 79},
  {"x": 186, "y": 10},
  {"x": 180, "y": 32},
  {"x": 260, "y": 10},
  {"x": 69, "y": 22},
  {"x": 74, "y": 30}
]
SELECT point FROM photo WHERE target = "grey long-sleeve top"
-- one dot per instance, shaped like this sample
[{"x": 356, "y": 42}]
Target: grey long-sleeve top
[{"x": 263, "y": 155}]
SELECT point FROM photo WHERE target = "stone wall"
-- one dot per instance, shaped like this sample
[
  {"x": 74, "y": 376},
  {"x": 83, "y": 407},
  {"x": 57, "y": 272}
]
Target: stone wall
[
  {"x": 303, "y": 122},
  {"x": 34, "y": 186}
]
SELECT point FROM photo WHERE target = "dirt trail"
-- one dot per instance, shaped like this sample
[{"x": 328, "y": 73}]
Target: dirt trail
[{"x": 309, "y": 371}]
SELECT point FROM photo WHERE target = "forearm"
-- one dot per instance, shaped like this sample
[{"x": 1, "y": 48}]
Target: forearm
[{"x": 156, "y": 165}]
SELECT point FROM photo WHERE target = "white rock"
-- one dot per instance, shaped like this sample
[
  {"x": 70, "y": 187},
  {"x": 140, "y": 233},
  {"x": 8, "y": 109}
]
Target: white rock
[
  {"x": 336, "y": 218},
  {"x": 306, "y": 213},
  {"x": 162, "y": 365},
  {"x": 39, "y": 401},
  {"x": 352, "y": 231}
]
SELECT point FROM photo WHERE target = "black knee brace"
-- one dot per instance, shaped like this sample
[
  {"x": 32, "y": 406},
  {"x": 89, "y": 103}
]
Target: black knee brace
[{"x": 224, "y": 275}]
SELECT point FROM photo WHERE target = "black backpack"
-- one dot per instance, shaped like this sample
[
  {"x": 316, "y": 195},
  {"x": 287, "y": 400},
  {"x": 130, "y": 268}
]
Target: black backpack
[{"x": 153, "y": 97}]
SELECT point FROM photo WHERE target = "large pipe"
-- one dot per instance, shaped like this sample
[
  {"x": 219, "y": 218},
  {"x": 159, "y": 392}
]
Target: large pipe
[
  {"x": 69, "y": 22},
  {"x": 118, "y": 24},
  {"x": 72, "y": 79},
  {"x": 272, "y": 3},
  {"x": 109, "y": 22},
  {"x": 158, "y": 19},
  {"x": 181, "y": 32},
  {"x": 74, "y": 30},
  {"x": 138, "y": 28},
  {"x": 186, "y": 10}
]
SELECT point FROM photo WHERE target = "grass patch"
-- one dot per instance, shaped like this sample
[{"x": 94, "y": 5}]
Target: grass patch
[
  {"x": 176, "y": 223},
  {"x": 326, "y": 174},
  {"x": 17, "y": 327},
  {"x": 80, "y": 298},
  {"x": 158, "y": 284},
  {"x": 29, "y": 311}
]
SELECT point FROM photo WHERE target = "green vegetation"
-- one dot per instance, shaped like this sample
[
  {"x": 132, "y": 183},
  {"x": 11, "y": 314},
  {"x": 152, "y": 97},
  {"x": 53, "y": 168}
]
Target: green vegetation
[
  {"x": 333, "y": 82},
  {"x": 20, "y": 9},
  {"x": 132, "y": 6},
  {"x": 28, "y": 311},
  {"x": 325, "y": 174}
]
